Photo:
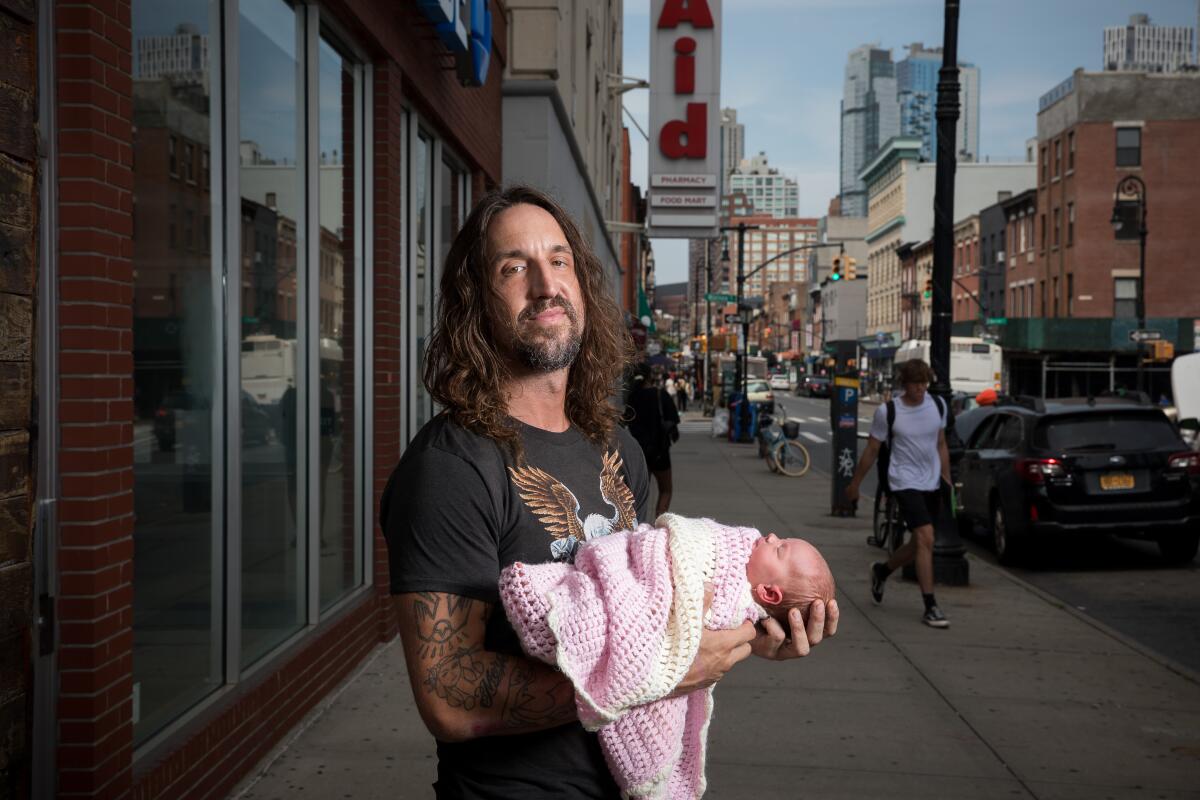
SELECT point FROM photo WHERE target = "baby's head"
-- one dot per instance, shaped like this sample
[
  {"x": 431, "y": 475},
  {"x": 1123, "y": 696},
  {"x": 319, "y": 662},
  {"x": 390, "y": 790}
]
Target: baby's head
[{"x": 786, "y": 574}]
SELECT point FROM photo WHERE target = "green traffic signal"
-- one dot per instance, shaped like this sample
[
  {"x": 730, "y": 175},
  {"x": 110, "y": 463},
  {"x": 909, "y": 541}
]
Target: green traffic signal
[{"x": 835, "y": 276}]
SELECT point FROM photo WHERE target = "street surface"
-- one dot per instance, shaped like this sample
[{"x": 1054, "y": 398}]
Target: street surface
[{"x": 1120, "y": 582}]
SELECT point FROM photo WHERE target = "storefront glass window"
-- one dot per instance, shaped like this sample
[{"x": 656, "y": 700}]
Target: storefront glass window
[
  {"x": 421, "y": 176},
  {"x": 176, "y": 590},
  {"x": 273, "y": 256},
  {"x": 341, "y": 548}
]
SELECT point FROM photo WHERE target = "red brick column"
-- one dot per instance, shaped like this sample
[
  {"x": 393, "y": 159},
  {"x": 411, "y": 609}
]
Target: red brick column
[
  {"x": 387, "y": 295},
  {"x": 95, "y": 554}
]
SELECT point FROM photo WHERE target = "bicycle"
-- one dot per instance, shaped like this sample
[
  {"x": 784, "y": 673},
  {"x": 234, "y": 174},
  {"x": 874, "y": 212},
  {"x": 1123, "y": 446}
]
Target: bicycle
[
  {"x": 887, "y": 526},
  {"x": 778, "y": 445}
]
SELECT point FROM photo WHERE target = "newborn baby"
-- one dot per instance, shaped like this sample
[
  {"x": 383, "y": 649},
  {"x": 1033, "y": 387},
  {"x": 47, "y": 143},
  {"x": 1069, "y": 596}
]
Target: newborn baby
[{"x": 623, "y": 623}]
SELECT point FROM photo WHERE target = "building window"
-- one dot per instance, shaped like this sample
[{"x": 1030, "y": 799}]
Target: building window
[
  {"x": 218, "y": 586},
  {"x": 1070, "y": 294},
  {"x": 1071, "y": 151},
  {"x": 1070, "y": 224},
  {"x": 1125, "y": 298},
  {"x": 1045, "y": 163},
  {"x": 1043, "y": 236},
  {"x": 189, "y": 155},
  {"x": 1042, "y": 290},
  {"x": 1057, "y": 157},
  {"x": 1054, "y": 294},
  {"x": 1129, "y": 147},
  {"x": 1057, "y": 225}
]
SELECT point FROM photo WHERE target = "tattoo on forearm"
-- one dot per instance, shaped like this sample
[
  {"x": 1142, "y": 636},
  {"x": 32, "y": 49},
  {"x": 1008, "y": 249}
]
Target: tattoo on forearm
[
  {"x": 466, "y": 676},
  {"x": 528, "y": 704},
  {"x": 461, "y": 680}
]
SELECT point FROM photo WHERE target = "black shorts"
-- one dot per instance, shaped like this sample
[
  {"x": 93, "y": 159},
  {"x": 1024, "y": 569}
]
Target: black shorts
[
  {"x": 658, "y": 460},
  {"x": 918, "y": 508}
]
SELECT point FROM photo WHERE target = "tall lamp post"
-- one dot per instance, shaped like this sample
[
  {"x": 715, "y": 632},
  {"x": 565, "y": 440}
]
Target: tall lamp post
[
  {"x": 1133, "y": 186},
  {"x": 949, "y": 562}
]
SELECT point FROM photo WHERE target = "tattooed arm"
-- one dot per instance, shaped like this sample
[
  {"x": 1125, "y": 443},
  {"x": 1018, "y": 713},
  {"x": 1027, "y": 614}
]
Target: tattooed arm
[{"x": 464, "y": 691}]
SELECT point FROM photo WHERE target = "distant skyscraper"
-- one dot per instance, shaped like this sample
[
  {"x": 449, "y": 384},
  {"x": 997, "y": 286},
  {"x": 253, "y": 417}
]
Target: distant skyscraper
[
  {"x": 769, "y": 192},
  {"x": 733, "y": 144},
  {"x": 1142, "y": 47},
  {"x": 916, "y": 91},
  {"x": 870, "y": 116},
  {"x": 181, "y": 57}
]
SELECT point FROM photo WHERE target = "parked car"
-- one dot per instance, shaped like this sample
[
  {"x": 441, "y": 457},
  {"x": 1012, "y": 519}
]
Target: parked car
[
  {"x": 174, "y": 416},
  {"x": 760, "y": 392},
  {"x": 780, "y": 381},
  {"x": 814, "y": 386},
  {"x": 1084, "y": 468}
]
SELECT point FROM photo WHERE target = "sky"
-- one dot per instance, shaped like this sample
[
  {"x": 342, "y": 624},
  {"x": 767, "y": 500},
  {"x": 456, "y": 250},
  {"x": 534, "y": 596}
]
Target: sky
[{"x": 783, "y": 61}]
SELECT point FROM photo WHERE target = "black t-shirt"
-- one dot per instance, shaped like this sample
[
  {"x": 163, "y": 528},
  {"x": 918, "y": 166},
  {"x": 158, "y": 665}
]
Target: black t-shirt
[{"x": 454, "y": 516}]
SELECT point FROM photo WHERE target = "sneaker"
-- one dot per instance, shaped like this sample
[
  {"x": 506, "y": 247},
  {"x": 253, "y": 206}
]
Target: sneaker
[
  {"x": 878, "y": 577},
  {"x": 934, "y": 618}
]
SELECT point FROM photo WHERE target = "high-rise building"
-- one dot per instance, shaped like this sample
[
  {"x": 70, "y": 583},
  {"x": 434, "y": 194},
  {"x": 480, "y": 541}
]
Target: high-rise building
[
  {"x": 870, "y": 116},
  {"x": 733, "y": 142},
  {"x": 768, "y": 191},
  {"x": 1142, "y": 47},
  {"x": 916, "y": 91},
  {"x": 181, "y": 57}
]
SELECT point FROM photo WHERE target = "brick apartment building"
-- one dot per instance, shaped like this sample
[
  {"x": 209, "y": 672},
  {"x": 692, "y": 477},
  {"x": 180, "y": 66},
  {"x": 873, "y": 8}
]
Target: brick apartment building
[
  {"x": 1072, "y": 285},
  {"x": 228, "y": 239}
]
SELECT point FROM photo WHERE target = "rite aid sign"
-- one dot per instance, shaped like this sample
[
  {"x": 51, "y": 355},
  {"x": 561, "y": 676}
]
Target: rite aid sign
[{"x": 685, "y": 103}]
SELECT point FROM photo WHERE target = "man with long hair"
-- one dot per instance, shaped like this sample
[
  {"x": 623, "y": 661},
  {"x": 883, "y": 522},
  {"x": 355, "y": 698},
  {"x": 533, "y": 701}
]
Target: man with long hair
[{"x": 526, "y": 462}]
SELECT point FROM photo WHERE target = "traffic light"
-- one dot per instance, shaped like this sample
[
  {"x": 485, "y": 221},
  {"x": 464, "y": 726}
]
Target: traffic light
[
  {"x": 851, "y": 268},
  {"x": 836, "y": 275},
  {"x": 928, "y": 288}
]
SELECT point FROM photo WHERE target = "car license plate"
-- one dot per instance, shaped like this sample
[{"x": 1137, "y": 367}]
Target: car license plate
[{"x": 1113, "y": 481}]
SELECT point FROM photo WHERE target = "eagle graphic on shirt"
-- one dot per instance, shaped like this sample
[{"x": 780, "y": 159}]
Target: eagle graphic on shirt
[{"x": 558, "y": 509}]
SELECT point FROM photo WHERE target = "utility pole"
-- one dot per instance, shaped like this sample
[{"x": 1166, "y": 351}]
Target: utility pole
[{"x": 949, "y": 564}]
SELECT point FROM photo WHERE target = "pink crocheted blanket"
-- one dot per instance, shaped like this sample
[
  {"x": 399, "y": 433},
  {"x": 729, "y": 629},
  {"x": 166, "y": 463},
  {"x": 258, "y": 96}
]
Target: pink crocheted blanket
[{"x": 624, "y": 623}]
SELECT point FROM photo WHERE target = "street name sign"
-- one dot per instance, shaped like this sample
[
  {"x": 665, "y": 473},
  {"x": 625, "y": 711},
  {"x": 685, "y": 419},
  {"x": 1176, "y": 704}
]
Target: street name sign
[
  {"x": 997, "y": 320},
  {"x": 1144, "y": 335},
  {"x": 717, "y": 297}
]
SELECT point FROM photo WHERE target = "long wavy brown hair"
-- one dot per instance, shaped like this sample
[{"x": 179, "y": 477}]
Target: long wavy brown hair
[{"x": 466, "y": 373}]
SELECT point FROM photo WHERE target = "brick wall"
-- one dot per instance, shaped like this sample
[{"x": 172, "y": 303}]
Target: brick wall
[
  {"x": 18, "y": 268},
  {"x": 1171, "y": 170},
  {"x": 388, "y": 298},
  {"x": 96, "y": 407}
]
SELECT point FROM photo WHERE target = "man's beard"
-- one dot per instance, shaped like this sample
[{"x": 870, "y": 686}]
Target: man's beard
[{"x": 543, "y": 350}]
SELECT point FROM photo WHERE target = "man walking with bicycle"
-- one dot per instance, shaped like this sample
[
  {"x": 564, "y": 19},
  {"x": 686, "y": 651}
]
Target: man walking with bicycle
[{"x": 910, "y": 432}]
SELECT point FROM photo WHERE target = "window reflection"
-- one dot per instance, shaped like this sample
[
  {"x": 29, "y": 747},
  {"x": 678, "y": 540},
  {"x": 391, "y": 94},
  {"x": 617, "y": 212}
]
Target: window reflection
[
  {"x": 341, "y": 563},
  {"x": 272, "y": 400},
  {"x": 176, "y": 631},
  {"x": 422, "y": 286}
]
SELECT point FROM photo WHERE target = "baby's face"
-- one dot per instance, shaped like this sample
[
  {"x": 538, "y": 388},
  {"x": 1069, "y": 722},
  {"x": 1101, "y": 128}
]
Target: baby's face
[{"x": 779, "y": 562}]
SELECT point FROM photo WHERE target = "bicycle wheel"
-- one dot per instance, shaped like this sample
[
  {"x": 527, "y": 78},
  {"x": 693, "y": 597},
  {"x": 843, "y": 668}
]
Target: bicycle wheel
[
  {"x": 897, "y": 531},
  {"x": 878, "y": 527},
  {"x": 791, "y": 457}
]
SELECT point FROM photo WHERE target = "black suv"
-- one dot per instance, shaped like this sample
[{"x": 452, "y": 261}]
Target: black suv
[{"x": 1100, "y": 465}]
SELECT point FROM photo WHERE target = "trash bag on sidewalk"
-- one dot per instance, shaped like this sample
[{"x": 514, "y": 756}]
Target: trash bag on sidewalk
[{"x": 720, "y": 423}]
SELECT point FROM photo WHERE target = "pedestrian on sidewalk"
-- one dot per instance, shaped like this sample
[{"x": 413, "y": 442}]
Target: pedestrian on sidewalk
[
  {"x": 654, "y": 423},
  {"x": 913, "y": 429},
  {"x": 525, "y": 462},
  {"x": 681, "y": 394}
]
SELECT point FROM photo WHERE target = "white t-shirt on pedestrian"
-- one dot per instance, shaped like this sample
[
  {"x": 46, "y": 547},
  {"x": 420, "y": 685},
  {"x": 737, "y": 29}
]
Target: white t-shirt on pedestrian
[{"x": 914, "y": 463}]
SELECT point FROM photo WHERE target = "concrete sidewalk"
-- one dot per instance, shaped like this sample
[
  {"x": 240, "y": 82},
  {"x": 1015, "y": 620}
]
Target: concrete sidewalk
[{"x": 1021, "y": 697}]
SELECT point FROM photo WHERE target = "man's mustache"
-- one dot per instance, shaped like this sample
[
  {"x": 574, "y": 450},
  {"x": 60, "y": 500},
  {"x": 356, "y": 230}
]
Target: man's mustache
[{"x": 538, "y": 308}]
